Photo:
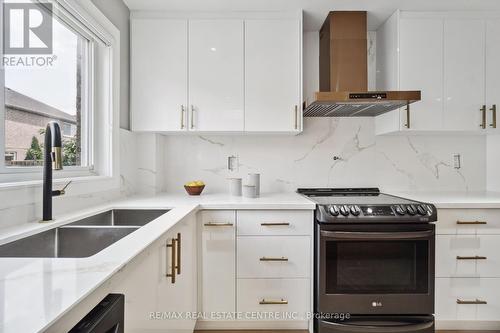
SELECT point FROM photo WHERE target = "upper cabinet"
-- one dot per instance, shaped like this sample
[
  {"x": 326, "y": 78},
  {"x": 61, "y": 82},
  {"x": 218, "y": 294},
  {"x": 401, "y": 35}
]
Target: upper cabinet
[
  {"x": 216, "y": 75},
  {"x": 272, "y": 75},
  {"x": 159, "y": 75},
  {"x": 220, "y": 75},
  {"x": 451, "y": 59}
]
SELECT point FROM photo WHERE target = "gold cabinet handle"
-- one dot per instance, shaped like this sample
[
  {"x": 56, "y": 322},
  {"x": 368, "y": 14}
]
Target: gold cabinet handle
[
  {"x": 476, "y": 301},
  {"x": 270, "y": 302},
  {"x": 273, "y": 259},
  {"x": 178, "y": 262},
  {"x": 471, "y": 222},
  {"x": 296, "y": 117},
  {"x": 173, "y": 257},
  {"x": 471, "y": 258},
  {"x": 408, "y": 119},
  {"x": 215, "y": 224},
  {"x": 274, "y": 224},
  {"x": 182, "y": 117},
  {"x": 483, "y": 116},
  {"x": 493, "y": 110},
  {"x": 192, "y": 117}
]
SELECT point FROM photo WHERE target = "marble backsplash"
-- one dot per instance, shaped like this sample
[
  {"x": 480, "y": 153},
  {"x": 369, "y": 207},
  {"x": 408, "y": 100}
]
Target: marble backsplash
[{"x": 331, "y": 152}]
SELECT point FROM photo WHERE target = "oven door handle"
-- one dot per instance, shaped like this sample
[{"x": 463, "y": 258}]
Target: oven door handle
[
  {"x": 413, "y": 328},
  {"x": 350, "y": 235}
]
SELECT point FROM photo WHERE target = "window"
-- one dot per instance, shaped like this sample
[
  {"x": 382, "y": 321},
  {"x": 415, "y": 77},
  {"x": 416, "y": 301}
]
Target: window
[
  {"x": 46, "y": 87},
  {"x": 63, "y": 71}
]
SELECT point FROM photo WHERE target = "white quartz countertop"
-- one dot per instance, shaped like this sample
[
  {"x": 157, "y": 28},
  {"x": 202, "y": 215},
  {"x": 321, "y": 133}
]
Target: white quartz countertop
[
  {"x": 455, "y": 199},
  {"x": 36, "y": 292}
]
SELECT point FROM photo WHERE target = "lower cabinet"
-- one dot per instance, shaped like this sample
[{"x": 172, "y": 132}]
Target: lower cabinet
[
  {"x": 161, "y": 285},
  {"x": 459, "y": 299},
  {"x": 257, "y": 265},
  {"x": 274, "y": 299},
  {"x": 468, "y": 269}
]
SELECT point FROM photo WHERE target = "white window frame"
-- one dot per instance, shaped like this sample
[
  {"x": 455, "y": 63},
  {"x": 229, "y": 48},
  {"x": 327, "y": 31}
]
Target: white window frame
[{"x": 100, "y": 95}]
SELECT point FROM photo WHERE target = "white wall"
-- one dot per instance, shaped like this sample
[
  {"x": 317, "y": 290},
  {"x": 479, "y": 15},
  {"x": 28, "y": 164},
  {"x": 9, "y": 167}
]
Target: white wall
[
  {"x": 118, "y": 13},
  {"x": 287, "y": 162}
]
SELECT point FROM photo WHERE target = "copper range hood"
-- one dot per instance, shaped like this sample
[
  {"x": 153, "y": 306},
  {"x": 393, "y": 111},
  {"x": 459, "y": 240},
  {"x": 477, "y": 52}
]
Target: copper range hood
[{"x": 343, "y": 72}]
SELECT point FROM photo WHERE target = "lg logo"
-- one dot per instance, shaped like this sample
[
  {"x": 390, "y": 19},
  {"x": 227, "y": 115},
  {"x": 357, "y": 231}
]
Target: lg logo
[
  {"x": 27, "y": 28},
  {"x": 376, "y": 304}
]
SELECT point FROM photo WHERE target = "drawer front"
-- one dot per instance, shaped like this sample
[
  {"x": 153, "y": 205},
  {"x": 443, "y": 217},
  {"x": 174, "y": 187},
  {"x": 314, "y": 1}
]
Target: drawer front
[
  {"x": 472, "y": 290},
  {"x": 468, "y": 222},
  {"x": 275, "y": 222},
  {"x": 274, "y": 295},
  {"x": 467, "y": 256},
  {"x": 273, "y": 257}
]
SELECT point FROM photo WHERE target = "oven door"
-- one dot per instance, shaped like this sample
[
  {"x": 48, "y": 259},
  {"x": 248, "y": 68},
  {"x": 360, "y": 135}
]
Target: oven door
[{"x": 375, "y": 269}]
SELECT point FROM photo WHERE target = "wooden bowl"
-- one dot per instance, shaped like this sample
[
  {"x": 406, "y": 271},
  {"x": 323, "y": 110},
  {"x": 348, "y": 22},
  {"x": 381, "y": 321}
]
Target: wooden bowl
[{"x": 194, "y": 190}]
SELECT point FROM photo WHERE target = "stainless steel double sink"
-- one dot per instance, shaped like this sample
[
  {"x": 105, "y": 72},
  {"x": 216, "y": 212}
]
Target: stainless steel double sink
[{"x": 82, "y": 238}]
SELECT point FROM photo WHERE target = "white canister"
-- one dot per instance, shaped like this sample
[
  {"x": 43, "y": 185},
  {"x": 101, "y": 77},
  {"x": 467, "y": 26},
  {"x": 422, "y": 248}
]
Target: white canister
[
  {"x": 235, "y": 187},
  {"x": 254, "y": 180},
  {"x": 249, "y": 191}
]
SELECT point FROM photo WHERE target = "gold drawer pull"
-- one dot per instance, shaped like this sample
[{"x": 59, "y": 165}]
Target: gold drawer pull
[
  {"x": 476, "y": 301},
  {"x": 173, "y": 259},
  {"x": 471, "y": 258},
  {"x": 471, "y": 222},
  {"x": 178, "y": 263},
  {"x": 272, "y": 224},
  {"x": 274, "y": 259},
  {"x": 214, "y": 224},
  {"x": 268, "y": 302}
]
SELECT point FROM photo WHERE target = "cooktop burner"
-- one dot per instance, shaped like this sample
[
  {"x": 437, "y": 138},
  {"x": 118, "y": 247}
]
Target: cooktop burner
[{"x": 366, "y": 205}]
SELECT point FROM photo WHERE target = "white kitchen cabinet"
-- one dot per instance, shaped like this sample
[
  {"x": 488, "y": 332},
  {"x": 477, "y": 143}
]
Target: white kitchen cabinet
[
  {"x": 148, "y": 289},
  {"x": 273, "y": 257},
  {"x": 226, "y": 73},
  {"x": 216, "y": 65},
  {"x": 218, "y": 256},
  {"x": 279, "y": 296},
  {"x": 452, "y": 291},
  {"x": 451, "y": 58},
  {"x": 240, "y": 273},
  {"x": 467, "y": 256},
  {"x": 272, "y": 75},
  {"x": 159, "y": 75},
  {"x": 492, "y": 73},
  {"x": 464, "y": 73},
  {"x": 421, "y": 68}
]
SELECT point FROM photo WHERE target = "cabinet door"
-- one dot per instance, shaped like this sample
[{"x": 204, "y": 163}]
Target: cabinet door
[
  {"x": 421, "y": 68},
  {"x": 492, "y": 72},
  {"x": 216, "y": 75},
  {"x": 218, "y": 234},
  {"x": 272, "y": 75},
  {"x": 151, "y": 295},
  {"x": 464, "y": 77},
  {"x": 158, "y": 74}
]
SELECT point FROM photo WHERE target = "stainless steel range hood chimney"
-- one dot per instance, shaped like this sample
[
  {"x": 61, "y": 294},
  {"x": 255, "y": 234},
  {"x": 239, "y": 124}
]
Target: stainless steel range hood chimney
[{"x": 343, "y": 72}]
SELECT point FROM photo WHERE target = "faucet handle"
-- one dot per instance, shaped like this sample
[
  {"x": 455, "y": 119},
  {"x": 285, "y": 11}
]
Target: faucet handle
[{"x": 61, "y": 191}]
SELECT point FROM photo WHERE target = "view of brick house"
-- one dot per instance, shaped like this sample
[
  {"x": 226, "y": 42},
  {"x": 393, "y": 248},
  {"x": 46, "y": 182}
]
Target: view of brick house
[{"x": 26, "y": 118}]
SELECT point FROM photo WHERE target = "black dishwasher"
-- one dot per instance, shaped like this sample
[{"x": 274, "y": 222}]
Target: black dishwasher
[{"x": 106, "y": 317}]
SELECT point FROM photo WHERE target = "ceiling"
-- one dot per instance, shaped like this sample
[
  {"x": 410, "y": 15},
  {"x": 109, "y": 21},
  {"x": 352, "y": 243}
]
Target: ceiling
[{"x": 315, "y": 10}]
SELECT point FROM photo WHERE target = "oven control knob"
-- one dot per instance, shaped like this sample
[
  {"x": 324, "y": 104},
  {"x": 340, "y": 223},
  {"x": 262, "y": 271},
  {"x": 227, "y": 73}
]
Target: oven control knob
[
  {"x": 421, "y": 210},
  {"x": 411, "y": 209},
  {"x": 344, "y": 210},
  {"x": 400, "y": 210},
  {"x": 355, "y": 210},
  {"x": 334, "y": 210}
]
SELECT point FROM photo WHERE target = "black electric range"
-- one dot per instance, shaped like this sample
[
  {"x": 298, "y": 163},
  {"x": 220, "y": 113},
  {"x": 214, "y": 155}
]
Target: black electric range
[
  {"x": 366, "y": 205},
  {"x": 374, "y": 262}
]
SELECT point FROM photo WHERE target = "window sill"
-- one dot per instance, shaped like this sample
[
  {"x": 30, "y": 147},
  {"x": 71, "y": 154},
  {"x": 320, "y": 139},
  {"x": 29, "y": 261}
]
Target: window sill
[{"x": 57, "y": 182}]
